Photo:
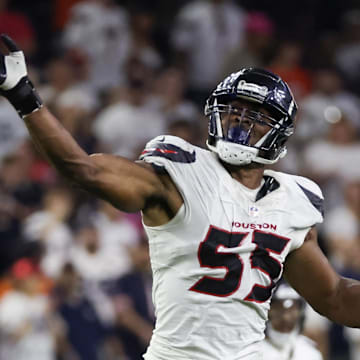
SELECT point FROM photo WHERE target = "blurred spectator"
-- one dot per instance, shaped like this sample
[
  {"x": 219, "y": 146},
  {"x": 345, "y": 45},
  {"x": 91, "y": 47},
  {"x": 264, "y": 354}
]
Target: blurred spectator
[
  {"x": 62, "y": 10},
  {"x": 90, "y": 260},
  {"x": 117, "y": 234},
  {"x": 133, "y": 305},
  {"x": 10, "y": 231},
  {"x": 186, "y": 130},
  {"x": 18, "y": 26},
  {"x": 20, "y": 195},
  {"x": 12, "y": 130},
  {"x": 317, "y": 109},
  {"x": 67, "y": 93},
  {"x": 124, "y": 126},
  {"x": 329, "y": 160},
  {"x": 353, "y": 336},
  {"x": 287, "y": 63},
  {"x": 141, "y": 34},
  {"x": 341, "y": 226},
  {"x": 347, "y": 55},
  {"x": 204, "y": 32},
  {"x": 283, "y": 332},
  {"x": 317, "y": 327},
  {"x": 15, "y": 171},
  {"x": 345, "y": 340},
  {"x": 97, "y": 28},
  {"x": 85, "y": 333},
  {"x": 64, "y": 85},
  {"x": 169, "y": 96},
  {"x": 27, "y": 326},
  {"x": 49, "y": 227},
  {"x": 254, "y": 50}
]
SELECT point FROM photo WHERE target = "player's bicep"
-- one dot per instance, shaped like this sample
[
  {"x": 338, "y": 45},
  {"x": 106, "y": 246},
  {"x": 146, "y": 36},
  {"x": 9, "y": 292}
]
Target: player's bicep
[
  {"x": 308, "y": 271},
  {"x": 125, "y": 184}
]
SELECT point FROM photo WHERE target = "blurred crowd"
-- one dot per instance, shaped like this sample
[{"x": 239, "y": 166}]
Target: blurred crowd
[{"x": 75, "y": 272}]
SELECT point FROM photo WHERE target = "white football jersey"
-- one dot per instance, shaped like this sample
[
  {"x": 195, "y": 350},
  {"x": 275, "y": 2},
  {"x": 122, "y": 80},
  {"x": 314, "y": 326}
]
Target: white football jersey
[{"x": 216, "y": 262}]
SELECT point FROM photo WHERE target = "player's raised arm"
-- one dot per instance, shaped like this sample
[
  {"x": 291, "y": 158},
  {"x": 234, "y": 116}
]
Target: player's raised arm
[
  {"x": 310, "y": 274},
  {"x": 125, "y": 184}
]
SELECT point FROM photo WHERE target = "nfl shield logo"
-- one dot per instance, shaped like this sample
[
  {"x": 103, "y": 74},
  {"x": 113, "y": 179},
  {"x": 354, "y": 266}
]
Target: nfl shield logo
[{"x": 253, "y": 211}]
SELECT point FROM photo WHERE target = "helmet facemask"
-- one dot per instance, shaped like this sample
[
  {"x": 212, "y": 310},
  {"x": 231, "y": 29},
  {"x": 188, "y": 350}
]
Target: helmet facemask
[{"x": 234, "y": 134}]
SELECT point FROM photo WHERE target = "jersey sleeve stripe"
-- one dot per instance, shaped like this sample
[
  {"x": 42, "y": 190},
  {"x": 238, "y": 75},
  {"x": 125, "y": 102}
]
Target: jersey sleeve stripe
[
  {"x": 170, "y": 152},
  {"x": 315, "y": 200}
]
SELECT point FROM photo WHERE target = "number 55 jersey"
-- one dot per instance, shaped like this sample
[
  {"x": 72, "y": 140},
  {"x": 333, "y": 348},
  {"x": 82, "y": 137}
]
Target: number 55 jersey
[{"x": 217, "y": 261}]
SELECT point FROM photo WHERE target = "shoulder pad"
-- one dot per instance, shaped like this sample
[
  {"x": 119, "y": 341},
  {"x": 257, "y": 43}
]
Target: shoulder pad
[
  {"x": 171, "y": 148},
  {"x": 310, "y": 189},
  {"x": 312, "y": 192},
  {"x": 303, "y": 200}
]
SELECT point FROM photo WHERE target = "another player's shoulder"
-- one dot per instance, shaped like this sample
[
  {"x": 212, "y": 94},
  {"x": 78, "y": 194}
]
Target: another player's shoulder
[
  {"x": 308, "y": 348},
  {"x": 171, "y": 148},
  {"x": 306, "y": 341},
  {"x": 300, "y": 186}
]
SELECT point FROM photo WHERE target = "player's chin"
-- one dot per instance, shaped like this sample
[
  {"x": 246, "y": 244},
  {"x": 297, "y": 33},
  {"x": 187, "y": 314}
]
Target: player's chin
[{"x": 252, "y": 165}]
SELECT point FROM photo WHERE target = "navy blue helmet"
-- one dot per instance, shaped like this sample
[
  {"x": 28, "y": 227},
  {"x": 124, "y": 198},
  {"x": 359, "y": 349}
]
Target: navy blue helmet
[{"x": 271, "y": 93}]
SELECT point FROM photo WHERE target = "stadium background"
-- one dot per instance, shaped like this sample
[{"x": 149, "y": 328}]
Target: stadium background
[{"x": 117, "y": 73}]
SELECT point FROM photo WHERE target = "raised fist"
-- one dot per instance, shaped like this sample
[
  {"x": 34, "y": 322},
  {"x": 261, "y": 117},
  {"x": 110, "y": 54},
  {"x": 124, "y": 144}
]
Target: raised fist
[{"x": 14, "y": 82}]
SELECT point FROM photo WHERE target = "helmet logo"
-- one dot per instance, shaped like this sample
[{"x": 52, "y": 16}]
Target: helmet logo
[
  {"x": 279, "y": 95},
  {"x": 254, "y": 89},
  {"x": 227, "y": 83}
]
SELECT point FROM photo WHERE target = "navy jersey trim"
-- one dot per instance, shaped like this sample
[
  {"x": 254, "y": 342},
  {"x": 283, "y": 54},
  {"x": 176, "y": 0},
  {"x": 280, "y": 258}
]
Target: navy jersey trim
[
  {"x": 159, "y": 169},
  {"x": 269, "y": 185},
  {"x": 315, "y": 200},
  {"x": 170, "y": 152}
]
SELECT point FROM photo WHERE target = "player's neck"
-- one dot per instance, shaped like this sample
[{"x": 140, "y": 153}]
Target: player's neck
[{"x": 248, "y": 175}]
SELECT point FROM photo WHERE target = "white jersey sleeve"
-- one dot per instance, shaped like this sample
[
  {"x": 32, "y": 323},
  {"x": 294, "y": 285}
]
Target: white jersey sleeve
[{"x": 177, "y": 158}]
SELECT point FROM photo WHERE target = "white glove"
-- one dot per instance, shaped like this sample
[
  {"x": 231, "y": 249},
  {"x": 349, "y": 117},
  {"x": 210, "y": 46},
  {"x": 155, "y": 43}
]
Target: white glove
[
  {"x": 14, "y": 82},
  {"x": 12, "y": 66}
]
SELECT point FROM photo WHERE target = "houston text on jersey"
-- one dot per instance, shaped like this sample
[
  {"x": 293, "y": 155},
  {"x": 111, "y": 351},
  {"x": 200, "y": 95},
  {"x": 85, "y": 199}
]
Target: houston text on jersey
[{"x": 253, "y": 226}]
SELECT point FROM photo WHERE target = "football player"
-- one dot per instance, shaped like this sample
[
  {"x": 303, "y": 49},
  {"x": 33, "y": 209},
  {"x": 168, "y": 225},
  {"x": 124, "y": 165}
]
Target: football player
[
  {"x": 222, "y": 230},
  {"x": 283, "y": 339}
]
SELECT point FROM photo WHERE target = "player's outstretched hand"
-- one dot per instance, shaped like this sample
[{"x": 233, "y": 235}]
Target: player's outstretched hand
[
  {"x": 14, "y": 82},
  {"x": 12, "y": 66}
]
